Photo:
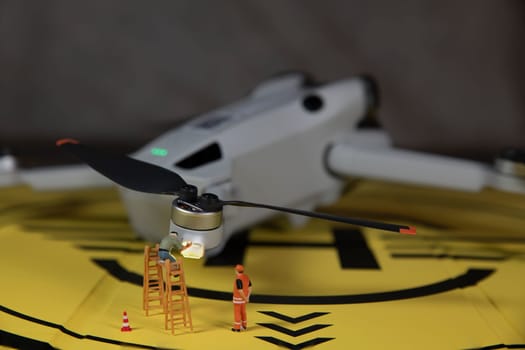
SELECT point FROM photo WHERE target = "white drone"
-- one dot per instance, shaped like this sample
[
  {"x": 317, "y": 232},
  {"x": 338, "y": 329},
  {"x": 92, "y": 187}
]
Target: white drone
[{"x": 288, "y": 143}]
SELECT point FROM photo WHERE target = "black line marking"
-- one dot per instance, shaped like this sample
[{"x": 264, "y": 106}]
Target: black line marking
[
  {"x": 299, "y": 346},
  {"x": 74, "y": 334},
  {"x": 447, "y": 256},
  {"x": 111, "y": 248},
  {"x": 469, "y": 278},
  {"x": 291, "y": 244},
  {"x": 16, "y": 341},
  {"x": 354, "y": 252},
  {"x": 116, "y": 270},
  {"x": 297, "y": 332},
  {"x": 500, "y": 346},
  {"x": 294, "y": 320},
  {"x": 73, "y": 231}
]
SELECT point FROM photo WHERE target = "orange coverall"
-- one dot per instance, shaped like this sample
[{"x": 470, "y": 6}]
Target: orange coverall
[{"x": 242, "y": 282}]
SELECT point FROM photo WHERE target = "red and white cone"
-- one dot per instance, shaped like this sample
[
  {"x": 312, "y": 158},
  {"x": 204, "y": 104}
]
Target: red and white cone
[{"x": 125, "y": 323}]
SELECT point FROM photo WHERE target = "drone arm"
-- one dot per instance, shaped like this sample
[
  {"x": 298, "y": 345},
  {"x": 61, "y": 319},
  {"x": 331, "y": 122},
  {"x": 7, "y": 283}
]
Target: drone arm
[{"x": 398, "y": 165}]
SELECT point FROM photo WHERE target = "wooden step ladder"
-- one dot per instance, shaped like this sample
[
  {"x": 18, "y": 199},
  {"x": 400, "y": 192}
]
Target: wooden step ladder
[
  {"x": 177, "y": 310},
  {"x": 153, "y": 294}
]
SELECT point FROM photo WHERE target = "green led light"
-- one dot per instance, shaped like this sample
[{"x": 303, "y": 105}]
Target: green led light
[{"x": 159, "y": 152}]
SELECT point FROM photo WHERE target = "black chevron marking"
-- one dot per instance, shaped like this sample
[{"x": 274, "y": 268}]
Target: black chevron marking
[
  {"x": 299, "y": 346},
  {"x": 295, "y": 333},
  {"x": 293, "y": 320}
]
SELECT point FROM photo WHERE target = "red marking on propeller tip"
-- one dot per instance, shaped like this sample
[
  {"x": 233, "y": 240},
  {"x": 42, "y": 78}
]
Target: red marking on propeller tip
[
  {"x": 411, "y": 230},
  {"x": 64, "y": 141}
]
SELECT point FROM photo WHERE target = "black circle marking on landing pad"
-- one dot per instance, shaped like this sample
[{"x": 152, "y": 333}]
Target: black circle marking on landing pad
[
  {"x": 470, "y": 278},
  {"x": 19, "y": 340},
  {"x": 500, "y": 346},
  {"x": 16, "y": 341}
]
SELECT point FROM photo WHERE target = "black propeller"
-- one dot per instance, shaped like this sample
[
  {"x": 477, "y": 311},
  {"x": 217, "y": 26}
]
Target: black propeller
[
  {"x": 145, "y": 177},
  {"x": 127, "y": 172},
  {"x": 353, "y": 221}
]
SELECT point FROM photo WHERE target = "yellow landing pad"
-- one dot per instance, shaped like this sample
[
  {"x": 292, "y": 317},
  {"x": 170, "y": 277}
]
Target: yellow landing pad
[{"x": 71, "y": 266}]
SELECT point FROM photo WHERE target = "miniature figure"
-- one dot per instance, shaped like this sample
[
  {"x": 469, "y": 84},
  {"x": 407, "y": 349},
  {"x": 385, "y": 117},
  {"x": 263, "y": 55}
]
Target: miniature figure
[
  {"x": 242, "y": 288},
  {"x": 168, "y": 243}
]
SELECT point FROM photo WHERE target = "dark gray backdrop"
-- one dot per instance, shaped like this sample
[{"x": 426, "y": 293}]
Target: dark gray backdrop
[{"x": 451, "y": 73}]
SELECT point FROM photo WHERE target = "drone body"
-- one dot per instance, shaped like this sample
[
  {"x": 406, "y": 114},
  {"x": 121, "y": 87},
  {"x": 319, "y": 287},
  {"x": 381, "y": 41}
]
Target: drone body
[{"x": 269, "y": 147}]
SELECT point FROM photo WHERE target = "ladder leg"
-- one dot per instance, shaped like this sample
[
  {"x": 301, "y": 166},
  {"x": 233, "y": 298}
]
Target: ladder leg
[
  {"x": 177, "y": 303},
  {"x": 145, "y": 279},
  {"x": 153, "y": 284}
]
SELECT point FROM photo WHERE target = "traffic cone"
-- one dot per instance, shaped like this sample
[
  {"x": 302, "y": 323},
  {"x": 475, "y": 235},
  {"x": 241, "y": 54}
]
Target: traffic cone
[{"x": 125, "y": 323}]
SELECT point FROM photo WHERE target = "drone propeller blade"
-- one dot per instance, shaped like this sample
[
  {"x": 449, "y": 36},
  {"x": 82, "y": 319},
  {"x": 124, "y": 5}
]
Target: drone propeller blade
[
  {"x": 125, "y": 171},
  {"x": 360, "y": 222}
]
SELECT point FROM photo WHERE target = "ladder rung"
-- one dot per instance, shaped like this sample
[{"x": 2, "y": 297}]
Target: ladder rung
[
  {"x": 155, "y": 287},
  {"x": 176, "y": 313},
  {"x": 177, "y": 322},
  {"x": 155, "y": 280},
  {"x": 176, "y": 300},
  {"x": 156, "y": 307}
]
